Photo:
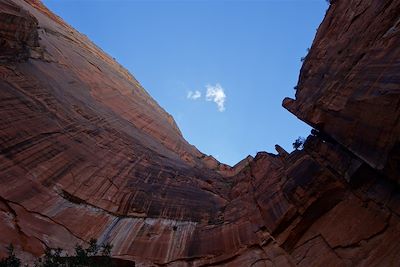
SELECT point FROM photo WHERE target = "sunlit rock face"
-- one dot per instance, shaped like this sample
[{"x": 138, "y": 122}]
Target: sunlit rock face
[{"x": 86, "y": 153}]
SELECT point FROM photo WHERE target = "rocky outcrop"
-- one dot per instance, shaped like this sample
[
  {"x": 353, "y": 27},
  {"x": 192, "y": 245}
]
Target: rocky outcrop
[
  {"x": 18, "y": 32},
  {"x": 349, "y": 84},
  {"x": 85, "y": 152}
]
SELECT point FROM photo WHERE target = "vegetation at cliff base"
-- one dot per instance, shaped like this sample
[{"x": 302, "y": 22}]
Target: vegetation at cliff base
[
  {"x": 94, "y": 255},
  {"x": 11, "y": 260}
]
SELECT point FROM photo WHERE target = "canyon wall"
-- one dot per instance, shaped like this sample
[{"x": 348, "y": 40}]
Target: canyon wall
[
  {"x": 349, "y": 84},
  {"x": 85, "y": 152}
]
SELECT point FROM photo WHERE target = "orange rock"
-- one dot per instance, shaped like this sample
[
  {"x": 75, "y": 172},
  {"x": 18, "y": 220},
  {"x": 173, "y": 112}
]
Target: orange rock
[{"x": 85, "y": 153}]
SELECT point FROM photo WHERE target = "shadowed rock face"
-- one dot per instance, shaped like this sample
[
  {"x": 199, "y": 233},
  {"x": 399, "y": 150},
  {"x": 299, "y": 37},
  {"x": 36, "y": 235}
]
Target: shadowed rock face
[
  {"x": 86, "y": 152},
  {"x": 349, "y": 84},
  {"x": 18, "y": 32}
]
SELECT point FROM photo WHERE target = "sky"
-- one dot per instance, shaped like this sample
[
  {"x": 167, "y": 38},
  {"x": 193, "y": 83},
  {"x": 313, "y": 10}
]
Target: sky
[{"x": 220, "y": 68}]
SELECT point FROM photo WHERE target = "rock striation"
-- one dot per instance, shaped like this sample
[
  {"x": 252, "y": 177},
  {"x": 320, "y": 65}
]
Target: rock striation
[
  {"x": 352, "y": 71},
  {"x": 18, "y": 32},
  {"x": 85, "y": 152}
]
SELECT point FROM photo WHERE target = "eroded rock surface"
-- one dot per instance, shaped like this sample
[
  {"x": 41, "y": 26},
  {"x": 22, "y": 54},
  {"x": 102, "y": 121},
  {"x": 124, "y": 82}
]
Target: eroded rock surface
[
  {"x": 18, "y": 32},
  {"x": 86, "y": 152},
  {"x": 349, "y": 82}
]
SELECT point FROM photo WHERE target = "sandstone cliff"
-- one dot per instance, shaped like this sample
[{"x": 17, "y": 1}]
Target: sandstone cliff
[{"x": 86, "y": 152}]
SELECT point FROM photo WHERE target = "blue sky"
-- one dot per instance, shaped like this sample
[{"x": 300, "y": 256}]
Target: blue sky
[{"x": 179, "y": 50}]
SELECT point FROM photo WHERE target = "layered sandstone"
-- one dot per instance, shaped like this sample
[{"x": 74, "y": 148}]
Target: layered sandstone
[
  {"x": 86, "y": 152},
  {"x": 349, "y": 84}
]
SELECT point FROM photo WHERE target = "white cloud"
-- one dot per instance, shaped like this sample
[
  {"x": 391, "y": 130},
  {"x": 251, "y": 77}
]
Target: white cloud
[
  {"x": 194, "y": 95},
  {"x": 216, "y": 94}
]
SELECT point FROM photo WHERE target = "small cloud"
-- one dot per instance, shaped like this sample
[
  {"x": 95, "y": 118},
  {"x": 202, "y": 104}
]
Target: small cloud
[
  {"x": 216, "y": 94},
  {"x": 194, "y": 95}
]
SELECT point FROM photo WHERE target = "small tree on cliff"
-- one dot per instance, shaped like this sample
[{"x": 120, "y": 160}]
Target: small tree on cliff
[{"x": 299, "y": 143}]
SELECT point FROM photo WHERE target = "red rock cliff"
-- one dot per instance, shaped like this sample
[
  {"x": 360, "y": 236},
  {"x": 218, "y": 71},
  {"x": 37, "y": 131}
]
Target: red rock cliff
[
  {"x": 349, "y": 84},
  {"x": 86, "y": 152}
]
